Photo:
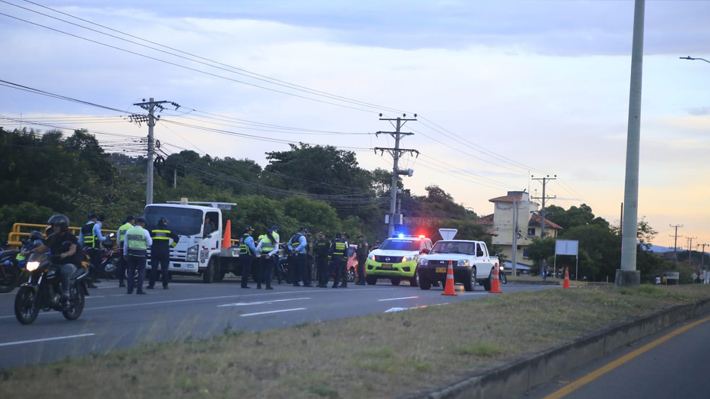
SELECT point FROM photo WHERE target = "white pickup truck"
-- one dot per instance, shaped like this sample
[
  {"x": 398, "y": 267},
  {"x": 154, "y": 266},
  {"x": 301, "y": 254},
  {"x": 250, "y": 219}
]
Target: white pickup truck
[{"x": 470, "y": 262}]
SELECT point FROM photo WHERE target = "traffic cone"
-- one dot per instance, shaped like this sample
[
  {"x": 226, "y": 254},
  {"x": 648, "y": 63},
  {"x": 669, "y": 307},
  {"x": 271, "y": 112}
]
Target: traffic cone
[
  {"x": 495, "y": 284},
  {"x": 565, "y": 284},
  {"x": 449, "y": 287},
  {"x": 227, "y": 239}
]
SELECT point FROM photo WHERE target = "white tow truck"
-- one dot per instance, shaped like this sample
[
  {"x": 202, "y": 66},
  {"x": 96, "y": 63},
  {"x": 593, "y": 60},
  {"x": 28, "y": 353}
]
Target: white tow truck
[
  {"x": 470, "y": 261},
  {"x": 199, "y": 250}
]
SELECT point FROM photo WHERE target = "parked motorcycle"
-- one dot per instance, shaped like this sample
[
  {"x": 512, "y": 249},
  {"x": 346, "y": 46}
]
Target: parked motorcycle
[
  {"x": 42, "y": 291},
  {"x": 109, "y": 258}
]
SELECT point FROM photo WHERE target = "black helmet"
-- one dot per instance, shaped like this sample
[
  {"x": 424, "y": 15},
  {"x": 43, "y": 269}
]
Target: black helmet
[
  {"x": 36, "y": 235},
  {"x": 338, "y": 235},
  {"x": 163, "y": 221},
  {"x": 60, "y": 220}
]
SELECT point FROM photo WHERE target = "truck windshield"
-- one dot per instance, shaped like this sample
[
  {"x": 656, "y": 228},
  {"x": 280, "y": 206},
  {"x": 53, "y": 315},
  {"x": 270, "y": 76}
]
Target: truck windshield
[
  {"x": 448, "y": 247},
  {"x": 400, "y": 245},
  {"x": 182, "y": 221}
]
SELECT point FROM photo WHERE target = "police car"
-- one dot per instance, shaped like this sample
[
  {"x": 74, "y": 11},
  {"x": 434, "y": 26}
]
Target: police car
[{"x": 396, "y": 259}]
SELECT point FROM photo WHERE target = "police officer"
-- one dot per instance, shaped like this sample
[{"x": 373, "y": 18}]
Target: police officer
[
  {"x": 90, "y": 238},
  {"x": 247, "y": 251},
  {"x": 320, "y": 249},
  {"x": 121, "y": 264},
  {"x": 160, "y": 252},
  {"x": 363, "y": 249},
  {"x": 268, "y": 247},
  {"x": 339, "y": 260},
  {"x": 297, "y": 245},
  {"x": 135, "y": 249}
]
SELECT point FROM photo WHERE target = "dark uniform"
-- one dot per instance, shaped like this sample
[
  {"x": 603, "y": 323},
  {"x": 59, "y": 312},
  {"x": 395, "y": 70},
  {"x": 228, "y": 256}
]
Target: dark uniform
[
  {"x": 339, "y": 261},
  {"x": 297, "y": 262},
  {"x": 160, "y": 252},
  {"x": 363, "y": 249},
  {"x": 320, "y": 249}
]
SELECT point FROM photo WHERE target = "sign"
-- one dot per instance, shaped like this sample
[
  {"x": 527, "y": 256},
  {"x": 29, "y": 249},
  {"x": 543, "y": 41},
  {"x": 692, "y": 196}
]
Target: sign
[{"x": 566, "y": 247}]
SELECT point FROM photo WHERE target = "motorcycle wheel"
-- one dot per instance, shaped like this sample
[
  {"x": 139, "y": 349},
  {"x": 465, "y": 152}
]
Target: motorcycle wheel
[
  {"x": 76, "y": 303},
  {"x": 9, "y": 279},
  {"x": 26, "y": 307},
  {"x": 503, "y": 278}
]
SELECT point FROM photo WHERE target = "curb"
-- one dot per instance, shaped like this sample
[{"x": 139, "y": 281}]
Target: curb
[{"x": 522, "y": 375}]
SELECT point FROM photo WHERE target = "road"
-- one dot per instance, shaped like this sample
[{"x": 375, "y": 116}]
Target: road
[
  {"x": 670, "y": 364},
  {"x": 189, "y": 309}
]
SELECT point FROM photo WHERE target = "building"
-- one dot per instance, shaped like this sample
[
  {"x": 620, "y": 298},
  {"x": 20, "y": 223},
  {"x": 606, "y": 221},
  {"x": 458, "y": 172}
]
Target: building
[{"x": 516, "y": 206}]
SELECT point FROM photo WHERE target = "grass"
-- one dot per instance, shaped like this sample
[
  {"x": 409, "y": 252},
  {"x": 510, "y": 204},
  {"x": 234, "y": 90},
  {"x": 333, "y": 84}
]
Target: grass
[{"x": 379, "y": 356}]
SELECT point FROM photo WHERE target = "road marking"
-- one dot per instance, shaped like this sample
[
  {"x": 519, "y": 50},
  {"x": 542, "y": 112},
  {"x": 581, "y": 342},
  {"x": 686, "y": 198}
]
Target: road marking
[
  {"x": 32, "y": 341},
  {"x": 397, "y": 299},
  {"x": 272, "y": 311},
  {"x": 94, "y": 296},
  {"x": 261, "y": 302},
  {"x": 568, "y": 389}
]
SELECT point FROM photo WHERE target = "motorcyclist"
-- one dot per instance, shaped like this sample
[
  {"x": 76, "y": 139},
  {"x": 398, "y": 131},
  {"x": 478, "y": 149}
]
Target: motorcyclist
[{"x": 68, "y": 259}]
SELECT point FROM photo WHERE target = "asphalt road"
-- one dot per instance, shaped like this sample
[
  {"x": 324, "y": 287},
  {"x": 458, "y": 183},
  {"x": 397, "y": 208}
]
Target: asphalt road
[
  {"x": 190, "y": 309},
  {"x": 670, "y": 364}
]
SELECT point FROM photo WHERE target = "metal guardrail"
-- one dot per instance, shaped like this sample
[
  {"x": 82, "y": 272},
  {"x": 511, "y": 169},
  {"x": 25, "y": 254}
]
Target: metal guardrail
[{"x": 23, "y": 230}]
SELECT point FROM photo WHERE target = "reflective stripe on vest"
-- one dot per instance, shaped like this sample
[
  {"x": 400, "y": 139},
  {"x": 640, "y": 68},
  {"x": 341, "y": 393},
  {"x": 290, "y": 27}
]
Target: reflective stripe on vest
[
  {"x": 266, "y": 244},
  {"x": 122, "y": 233},
  {"x": 339, "y": 248},
  {"x": 161, "y": 234},
  {"x": 137, "y": 243},
  {"x": 243, "y": 248},
  {"x": 90, "y": 240}
]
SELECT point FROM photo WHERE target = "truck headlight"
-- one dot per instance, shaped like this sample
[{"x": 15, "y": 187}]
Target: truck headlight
[
  {"x": 463, "y": 262},
  {"x": 423, "y": 262},
  {"x": 192, "y": 253},
  {"x": 371, "y": 256}
]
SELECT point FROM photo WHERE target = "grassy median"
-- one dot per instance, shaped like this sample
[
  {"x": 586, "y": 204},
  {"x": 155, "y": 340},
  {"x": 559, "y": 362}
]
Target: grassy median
[{"x": 379, "y": 356}]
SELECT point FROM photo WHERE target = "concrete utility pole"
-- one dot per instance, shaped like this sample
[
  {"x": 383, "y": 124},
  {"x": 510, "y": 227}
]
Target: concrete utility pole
[
  {"x": 628, "y": 276},
  {"x": 675, "y": 242},
  {"x": 543, "y": 198},
  {"x": 702, "y": 257},
  {"x": 150, "y": 106},
  {"x": 690, "y": 249},
  {"x": 514, "y": 258},
  {"x": 396, "y": 152}
]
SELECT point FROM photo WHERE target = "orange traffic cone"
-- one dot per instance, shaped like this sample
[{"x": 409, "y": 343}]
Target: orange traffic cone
[
  {"x": 449, "y": 287},
  {"x": 495, "y": 284},
  {"x": 565, "y": 285},
  {"x": 227, "y": 239}
]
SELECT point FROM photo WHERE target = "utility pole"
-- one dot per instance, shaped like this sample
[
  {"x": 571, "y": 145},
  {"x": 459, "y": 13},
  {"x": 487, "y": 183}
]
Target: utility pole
[
  {"x": 675, "y": 242},
  {"x": 690, "y": 249},
  {"x": 514, "y": 258},
  {"x": 396, "y": 152},
  {"x": 150, "y": 106},
  {"x": 702, "y": 256},
  {"x": 543, "y": 198}
]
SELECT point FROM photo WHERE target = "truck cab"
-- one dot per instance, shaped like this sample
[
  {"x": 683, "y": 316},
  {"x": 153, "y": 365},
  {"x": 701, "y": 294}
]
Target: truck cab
[{"x": 198, "y": 251}]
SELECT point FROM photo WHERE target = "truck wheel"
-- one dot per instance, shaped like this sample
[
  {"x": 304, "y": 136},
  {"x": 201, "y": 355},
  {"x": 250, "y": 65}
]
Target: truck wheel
[
  {"x": 486, "y": 283},
  {"x": 470, "y": 281},
  {"x": 424, "y": 283},
  {"x": 414, "y": 281},
  {"x": 395, "y": 281},
  {"x": 209, "y": 272},
  {"x": 371, "y": 280}
]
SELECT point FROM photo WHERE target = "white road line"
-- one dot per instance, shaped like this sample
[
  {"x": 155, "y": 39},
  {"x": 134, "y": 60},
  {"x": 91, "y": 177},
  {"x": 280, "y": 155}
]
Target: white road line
[
  {"x": 32, "y": 341},
  {"x": 261, "y": 302},
  {"x": 270, "y": 312},
  {"x": 397, "y": 299},
  {"x": 94, "y": 296}
]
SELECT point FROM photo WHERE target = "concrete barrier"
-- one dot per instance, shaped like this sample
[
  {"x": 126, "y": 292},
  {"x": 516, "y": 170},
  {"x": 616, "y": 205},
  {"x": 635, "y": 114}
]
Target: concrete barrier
[{"x": 521, "y": 375}]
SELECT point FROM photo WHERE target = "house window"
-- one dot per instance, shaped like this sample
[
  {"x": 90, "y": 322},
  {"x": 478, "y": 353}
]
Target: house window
[
  {"x": 525, "y": 253},
  {"x": 531, "y": 231}
]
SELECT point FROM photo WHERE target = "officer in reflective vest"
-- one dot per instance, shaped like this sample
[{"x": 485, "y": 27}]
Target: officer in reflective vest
[
  {"x": 298, "y": 245},
  {"x": 247, "y": 251},
  {"x": 268, "y": 247},
  {"x": 160, "y": 252},
  {"x": 339, "y": 261},
  {"x": 121, "y": 264},
  {"x": 90, "y": 238},
  {"x": 135, "y": 249}
]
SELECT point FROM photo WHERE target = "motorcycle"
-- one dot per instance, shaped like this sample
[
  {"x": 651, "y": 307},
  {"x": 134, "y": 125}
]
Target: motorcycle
[
  {"x": 13, "y": 261},
  {"x": 42, "y": 291},
  {"x": 109, "y": 258},
  {"x": 501, "y": 275}
]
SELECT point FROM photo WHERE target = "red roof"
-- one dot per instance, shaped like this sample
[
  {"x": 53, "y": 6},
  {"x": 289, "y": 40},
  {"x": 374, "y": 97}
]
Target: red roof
[
  {"x": 485, "y": 220},
  {"x": 536, "y": 220},
  {"x": 507, "y": 198}
]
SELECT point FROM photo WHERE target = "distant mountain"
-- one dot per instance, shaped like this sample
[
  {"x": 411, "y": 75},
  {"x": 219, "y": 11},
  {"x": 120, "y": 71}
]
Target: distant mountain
[{"x": 660, "y": 249}]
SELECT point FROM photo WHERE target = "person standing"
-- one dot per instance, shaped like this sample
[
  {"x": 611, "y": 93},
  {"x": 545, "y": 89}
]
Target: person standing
[
  {"x": 339, "y": 259},
  {"x": 297, "y": 245},
  {"x": 363, "y": 249},
  {"x": 268, "y": 247},
  {"x": 543, "y": 269},
  {"x": 247, "y": 251},
  {"x": 121, "y": 264},
  {"x": 160, "y": 252},
  {"x": 135, "y": 248},
  {"x": 321, "y": 248},
  {"x": 90, "y": 238}
]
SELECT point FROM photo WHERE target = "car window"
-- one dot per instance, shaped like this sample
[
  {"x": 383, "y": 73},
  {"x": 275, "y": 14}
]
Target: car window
[{"x": 400, "y": 245}]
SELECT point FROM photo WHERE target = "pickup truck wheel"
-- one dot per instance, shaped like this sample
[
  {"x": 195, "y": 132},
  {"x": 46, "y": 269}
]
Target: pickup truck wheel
[
  {"x": 209, "y": 272},
  {"x": 395, "y": 281},
  {"x": 470, "y": 281},
  {"x": 371, "y": 280},
  {"x": 414, "y": 281},
  {"x": 487, "y": 283},
  {"x": 424, "y": 284}
]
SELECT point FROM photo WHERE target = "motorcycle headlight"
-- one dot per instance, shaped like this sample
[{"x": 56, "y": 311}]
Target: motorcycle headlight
[
  {"x": 32, "y": 265},
  {"x": 423, "y": 262},
  {"x": 192, "y": 253}
]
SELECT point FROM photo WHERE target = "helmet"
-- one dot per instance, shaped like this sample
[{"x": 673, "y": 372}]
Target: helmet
[
  {"x": 163, "y": 221},
  {"x": 338, "y": 235},
  {"x": 36, "y": 235},
  {"x": 274, "y": 228},
  {"x": 60, "y": 220}
]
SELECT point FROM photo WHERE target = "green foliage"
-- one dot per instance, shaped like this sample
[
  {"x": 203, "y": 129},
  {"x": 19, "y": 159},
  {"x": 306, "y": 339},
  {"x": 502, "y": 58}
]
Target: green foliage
[{"x": 24, "y": 212}]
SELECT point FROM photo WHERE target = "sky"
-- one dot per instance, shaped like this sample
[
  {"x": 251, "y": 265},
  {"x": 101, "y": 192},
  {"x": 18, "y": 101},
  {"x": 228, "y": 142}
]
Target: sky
[{"x": 505, "y": 91}]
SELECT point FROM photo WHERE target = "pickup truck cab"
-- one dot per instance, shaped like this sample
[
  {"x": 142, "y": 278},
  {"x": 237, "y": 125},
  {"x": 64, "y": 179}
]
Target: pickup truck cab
[
  {"x": 396, "y": 259},
  {"x": 470, "y": 260}
]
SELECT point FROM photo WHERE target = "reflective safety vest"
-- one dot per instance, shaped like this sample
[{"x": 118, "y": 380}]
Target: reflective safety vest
[
  {"x": 87, "y": 232},
  {"x": 122, "y": 233},
  {"x": 137, "y": 243},
  {"x": 243, "y": 248},
  {"x": 296, "y": 241},
  {"x": 339, "y": 249},
  {"x": 266, "y": 244}
]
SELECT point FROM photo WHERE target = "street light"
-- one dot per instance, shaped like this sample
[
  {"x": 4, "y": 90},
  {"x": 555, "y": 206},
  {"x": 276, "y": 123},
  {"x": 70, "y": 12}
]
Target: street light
[{"x": 694, "y": 59}]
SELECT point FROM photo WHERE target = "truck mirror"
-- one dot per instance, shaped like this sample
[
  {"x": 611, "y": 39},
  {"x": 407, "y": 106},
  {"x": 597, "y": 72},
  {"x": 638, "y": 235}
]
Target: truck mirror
[{"x": 424, "y": 251}]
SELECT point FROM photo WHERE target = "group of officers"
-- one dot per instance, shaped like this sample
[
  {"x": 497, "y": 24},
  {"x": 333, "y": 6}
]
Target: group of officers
[{"x": 261, "y": 258}]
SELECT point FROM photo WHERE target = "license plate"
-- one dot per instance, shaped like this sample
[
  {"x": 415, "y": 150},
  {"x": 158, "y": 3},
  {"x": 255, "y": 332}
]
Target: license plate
[
  {"x": 441, "y": 270},
  {"x": 386, "y": 266}
]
